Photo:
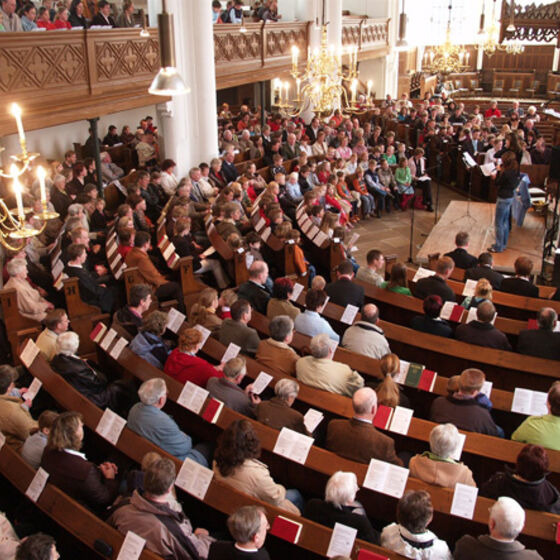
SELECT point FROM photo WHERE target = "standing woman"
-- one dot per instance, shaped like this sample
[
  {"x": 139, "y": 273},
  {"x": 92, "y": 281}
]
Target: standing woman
[{"x": 507, "y": 181}]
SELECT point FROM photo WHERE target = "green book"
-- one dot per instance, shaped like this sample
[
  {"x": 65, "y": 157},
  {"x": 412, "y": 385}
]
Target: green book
[{"x": 413, "y": 375}]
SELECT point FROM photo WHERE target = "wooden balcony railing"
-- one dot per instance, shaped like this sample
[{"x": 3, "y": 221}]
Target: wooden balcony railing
[{"x": 371, "y": 36}]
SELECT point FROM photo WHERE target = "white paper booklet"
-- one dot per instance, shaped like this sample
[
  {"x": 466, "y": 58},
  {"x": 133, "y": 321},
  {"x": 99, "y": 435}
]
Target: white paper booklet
[
  {"x": 29, "y": 353},
  {"x": 298, "y": 288},
  {"x": 311, "y": 419},
  {"x": 386, "y": 478},
  {"x": 423, "y": 273},
  {"x": 192, "y": 397},
  {"x": 132, "y": 547},
  {"x": 110, "y": 426},
  {"x": 468, "y": 290},
  {"x": 108, "y": 339},
  {"x": 459, "y": 449},
  {"x": 293, "y": 445},
  {"x": 205, "y": 333},
  {"x": 464, "y": 500},
  {"x": 529, "y": 402},
  {"x": 261, "y": 383},
  {"x": 400, "y": 422},
  {"x": 117, "y": 349},
  {"x": 32, "y": 390},
  {"x": 194, "y": 478},
  {"x": 175, "y": 320},
  {"x": 231, "y": 352},
  {"x": 349, "y": 314},
  {"x": 342, "y": 540},
  {"x": 37, "y": 485}
]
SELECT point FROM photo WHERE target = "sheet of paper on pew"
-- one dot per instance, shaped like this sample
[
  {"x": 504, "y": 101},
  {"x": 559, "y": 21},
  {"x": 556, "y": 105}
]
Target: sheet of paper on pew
[
  {"x": 293, "y": 445},
  {"x": 110, "y": 426},
  {"x": 108, "y": 339},
  {"x": 111, "y": 248},
  {"x": 531, "y": 403},
  {"x": 350, "y": 312},
  {"x": 286, "y": 529},
  {"x": 300, "y": 211},
  {"x": 266, "y": 234},
  {"x": 57, "y": 268},
  {"x": 452, "y": 311},
  {"x": 459, "y": 449},
  {"x": 416, "y": 375},
  {"x": 192, "y": 397},
  {"x": 261, "y": 383},
  {"x": 464, "y": 500},
  {"x": 423, "y": 273},
  {"x": 260, "y": 224},
  {"x": 33, "y": 389},
  {"x": 469, "y": 288},
  {"x": 2, "y": 440},
  {"x": 231, "y": 352},
  {"x": 132, "y": 547},
  {"x": 386, "y": 478},
  {"x": 117, "y": 349},
  {"x": 298, "y": 288},
  {"x": 29, "y": 353},
  {"x": 306, "y": 225},
  {"x": 320, "y": 238},
  {"x": 401, "y": 420},
  {"x": 342, "y": 540},
  {"x": 175, "y": 320},
  {"x": 311, "y": 419},
  {"x": 173, "y": 260},
  {"x": 205, "y": 333},
  {"x": 162, "y": 240},
  {"x": 37, "y": 485},
  {"x": 194, "y": 478},
  {"x": 313, "y": 230},
  {"x": 120, "y": 271},
  {"x": 169, "y": 250}
]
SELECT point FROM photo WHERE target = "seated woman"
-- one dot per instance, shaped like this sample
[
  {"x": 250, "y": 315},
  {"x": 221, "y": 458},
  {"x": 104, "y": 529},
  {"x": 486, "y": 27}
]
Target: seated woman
[
  {"x": 482, "y": 292},
  {"x": 403, "y": 177},
  {"x": 95, "y": 486},
  {"x": 236, "y": 463},
  {"x": 431, "y": 322},
  {"x": 148, "y": 343},
  {"x": 398, "y": 281},
  {"x": 184, "y": 365},
  {"x": 389, "y": 392},
  {"x": 61, "y": 19},
  {"x": 340, "y": 506},
  {"x": 279, "y": 303},
  {"x": 203, "y": 312},
  {"x": 527, "y": 483},
  {"x": 437, "y": 466}
]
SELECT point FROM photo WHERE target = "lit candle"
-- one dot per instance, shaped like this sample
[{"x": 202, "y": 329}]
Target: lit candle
[
  {"x": 295, "y": 54},
  {"x": 17, "y": 191},
  {"x": 298, "y": 84},
  {"x": 353, "y": 89},
  {"x": 431, "y": 56},
  {"x": 468, "y": 56},
  {"x": 16, "y": 112},
  {"x": 41, "y": 175},
  {"x": 287, "y": 90},
  {"x": 369, "y": 85}
]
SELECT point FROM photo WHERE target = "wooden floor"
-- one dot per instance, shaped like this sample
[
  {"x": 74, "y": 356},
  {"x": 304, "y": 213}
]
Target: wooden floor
[{"x": 391, "y": 233}]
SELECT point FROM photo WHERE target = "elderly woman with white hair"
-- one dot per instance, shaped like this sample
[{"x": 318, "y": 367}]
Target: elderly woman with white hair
[
  {"x": 90, "y": 382},
  {"x": 340, "y": 506},
  {"x": 148, "y": 419},
  {"x": 278, "y": 412},
  {"x": 437, "y": 466},
  {"x": 29, "y": 301}
]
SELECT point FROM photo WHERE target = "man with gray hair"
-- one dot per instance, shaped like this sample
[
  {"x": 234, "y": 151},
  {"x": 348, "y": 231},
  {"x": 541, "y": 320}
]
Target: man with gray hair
[
  {"x": 60, "y": 199},
  {"x": 365, "y": 337},
  {"x": 357, "y": 439},
  {"x": 227, "y": 389},
  {"x": 275, "y": 353},
  {"x": 147, "y": 419},
  {"x": 506, "y": 521},
  {"x": 254, "y": 290},
  {"x": 542, "y": 342},
  {"x": 319, "y": 370},
  {"x": 10, "y": 20},
  {"x": 278, "y": 412}
]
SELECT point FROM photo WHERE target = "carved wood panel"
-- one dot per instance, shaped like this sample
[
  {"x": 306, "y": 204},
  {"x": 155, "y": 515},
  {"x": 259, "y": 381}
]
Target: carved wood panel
[{"x": 238, "y": 46}]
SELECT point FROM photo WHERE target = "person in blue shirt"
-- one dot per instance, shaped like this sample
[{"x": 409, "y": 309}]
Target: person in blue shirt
[
  {"x": 310, "y": 322},
  {"x": 147, "y": 419}
]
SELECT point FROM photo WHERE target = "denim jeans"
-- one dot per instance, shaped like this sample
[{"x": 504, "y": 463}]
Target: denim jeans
[
  {"x": 294, "y": 496},
  {"x": 503, "y": 211}
]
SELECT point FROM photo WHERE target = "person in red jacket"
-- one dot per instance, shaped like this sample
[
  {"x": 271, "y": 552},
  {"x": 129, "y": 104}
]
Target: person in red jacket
[
  {"x": 493, "y": 111},
  {"x": 183, "y": 364}
]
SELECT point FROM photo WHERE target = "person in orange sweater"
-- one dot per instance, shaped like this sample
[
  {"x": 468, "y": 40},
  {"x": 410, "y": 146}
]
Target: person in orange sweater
[
  {"x": 345, "y": 194},
  {"x": 138, "y": 257},
  {"x": 303, "y": 267}
]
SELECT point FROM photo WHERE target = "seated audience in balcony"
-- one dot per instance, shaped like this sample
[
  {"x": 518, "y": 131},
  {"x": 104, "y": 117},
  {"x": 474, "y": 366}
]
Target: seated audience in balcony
[
  {"x": 10, "y": 20},
  {"x": 365, "y": 336},
  {"x": 506, "y": 521},
  {"x": 34, "y": 446},
  {"x": 77, "y": 18},
  {"x": 431, "y": 322},
  {"x": 148, "y": 343},
  {"x": 61, "y": 19},
  {"x": 28, "y": 15},
  {"x": 541, "y": 342},
  {"x": 527, "y": 483},
  {"x": 410, "y": 535},
  {"x": 146, "y": 151},
  {"x": 235, "y": 329},
  {"x": 103, "y": 15},
  {"x": 126, "y": 18},
  {"x": 216, "y": 11},
  {"x": 521, "y": 283},
  {"x": 481, "y": 331},
  {"x": 236, "y": 463},
  {"x": 340, "y": 506},
  {"x": 43, "y": 19},
  {"x": 15, "y": 421},
  {"x": 462, "y": 407},
  {"x": 460, "y": 256},
  {"x": 437, "y": 284},
  {"x": 110, "y": 171},
  {"x": 482, "y": 292},
  {"x": 398, "y": 280},
  {"x": 56, "y": 322},
  {"x": 437, "y": 466}
]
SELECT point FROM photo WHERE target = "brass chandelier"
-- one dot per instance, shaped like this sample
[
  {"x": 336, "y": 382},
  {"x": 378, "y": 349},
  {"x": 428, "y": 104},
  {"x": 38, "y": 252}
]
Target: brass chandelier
[
  {"x": 489, "y": 42},
  {"x": 14, "y": 229}
]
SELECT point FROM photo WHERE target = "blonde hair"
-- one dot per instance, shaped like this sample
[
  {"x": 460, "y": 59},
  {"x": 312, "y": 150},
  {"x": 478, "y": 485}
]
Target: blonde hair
[
  {"x": 388, "y": 392},
  {"x": 483, "y": 289},
  {"x": 200, "y": 310}
]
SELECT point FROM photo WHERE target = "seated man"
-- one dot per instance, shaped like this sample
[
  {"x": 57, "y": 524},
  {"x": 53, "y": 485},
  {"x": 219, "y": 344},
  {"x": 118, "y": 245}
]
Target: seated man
[
  {"x": 278, "y": 412},
  {"x": 372, "y": 272},
  {"x": 128, "y": 319},
  {"x": 164, "y": 289},
  {"x": 462, "y": 407},
  {"x": 343, "y": 291},
  {"x": 109, "y": 171},
  {"x": 248, "y": 526},
  {"x": 410, "y": 535},
  {"x": 148, "y": 419},
  {"x": 542, "y": 342},
  {"x": 310, "y": 322},
  {"x": 482, "y": 332},
  {"x": 543, "y": 430},
  {"x": 227, "y": 389},
  {"x": 56, "y": 323},
  {"x": 254, "y": 290},
  {"x": 15, "y": 421},
  {"x": 167, "y": 532},
  {"x": 236, "y": 329},
  {"x": 521, "y": 283},
  {"x": 357, "y": 439},
  {"x": 506, "y": 521},
  {"x": 460, "y": 256},
  {"x": 431, "y": 322},
  {"x": 365, "y": 337},
  {"x": 275, "y": 353},
  {"x": 484, "y": 270},
  {"x": 437, "y": 284}
]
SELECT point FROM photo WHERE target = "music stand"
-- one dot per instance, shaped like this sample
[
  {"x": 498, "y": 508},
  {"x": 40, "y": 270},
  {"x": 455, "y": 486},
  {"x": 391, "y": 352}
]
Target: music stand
[{"x": 470, "y": 164}]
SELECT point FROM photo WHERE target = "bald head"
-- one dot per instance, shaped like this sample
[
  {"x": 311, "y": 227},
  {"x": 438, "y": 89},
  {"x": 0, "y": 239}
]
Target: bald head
[
  {"x": 485, "y": 312},
  {"x": 370, "y": 313},
  {"x": 547, "y": 318},
  {"x": 364, "y": 402}
]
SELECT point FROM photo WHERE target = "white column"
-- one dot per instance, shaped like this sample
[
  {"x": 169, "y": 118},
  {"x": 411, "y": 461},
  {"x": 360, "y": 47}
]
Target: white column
[{"x": 334, "y": 17}]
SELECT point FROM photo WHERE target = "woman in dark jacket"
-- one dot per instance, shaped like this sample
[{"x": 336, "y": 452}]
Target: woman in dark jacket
[
  {"x": 77, "y": 18},
  {"x": 527, "y": 484},
  {"x": 148, "y": 343}
]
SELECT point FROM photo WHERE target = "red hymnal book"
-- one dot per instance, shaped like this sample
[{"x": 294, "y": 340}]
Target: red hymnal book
[
  {"x": 172, "y": 261},
  {"x": 557, "y": 533},
  {"x": 161, "y": 240},
  {"x": 369, "y": 555},
  {"x": 532, "y": 324},
  {"x": 427, "y": 380},
  {"x": 98, "y": 331},
  {"x": 286, "y": 529},
  {"x": 212, "y": 410},
  {"x": 382, "y": 416},
  {"x": 457, "y": 313}
]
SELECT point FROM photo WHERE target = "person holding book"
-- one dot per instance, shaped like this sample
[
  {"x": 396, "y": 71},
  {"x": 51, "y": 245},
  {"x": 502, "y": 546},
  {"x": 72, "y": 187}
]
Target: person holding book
[{"x": 482, "y": 292}]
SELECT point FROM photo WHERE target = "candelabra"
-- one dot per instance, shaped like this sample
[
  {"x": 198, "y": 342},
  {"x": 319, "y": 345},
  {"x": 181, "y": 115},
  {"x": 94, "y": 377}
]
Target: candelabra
[{"x": 489, "y": 42}]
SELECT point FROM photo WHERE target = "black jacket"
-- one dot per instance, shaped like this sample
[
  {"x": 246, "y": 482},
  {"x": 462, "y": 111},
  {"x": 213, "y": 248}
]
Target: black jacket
[
  {"x": 478, "y": 272},
  {"x": 520, "y": 286},
  {"x": 229, "y": 172},
  {"x": 225, "y": 550},
  {"x": 540, "y": 343},
  {"x": 90, "y": 291},
  {"x": 255, "y": 294},
  {"x": 99, "y": 19},
  {"x": 482, "y": 334},
  {"x": 426, "y": 324},
  {"x": 461, "y": 258},
  {"x": 344, "y": 292},
  {"x": 433, "y": 285}
]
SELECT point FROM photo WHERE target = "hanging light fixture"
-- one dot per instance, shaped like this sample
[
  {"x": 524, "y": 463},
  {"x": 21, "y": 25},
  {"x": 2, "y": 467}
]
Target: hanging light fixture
[
  {"x": 511, "y": 26},
  {"x": 489, "y": 41},
  {"x": 167, "y": 81},
  {"x": 402, "y": 28},
  {"x": 447, "y": 58}
]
